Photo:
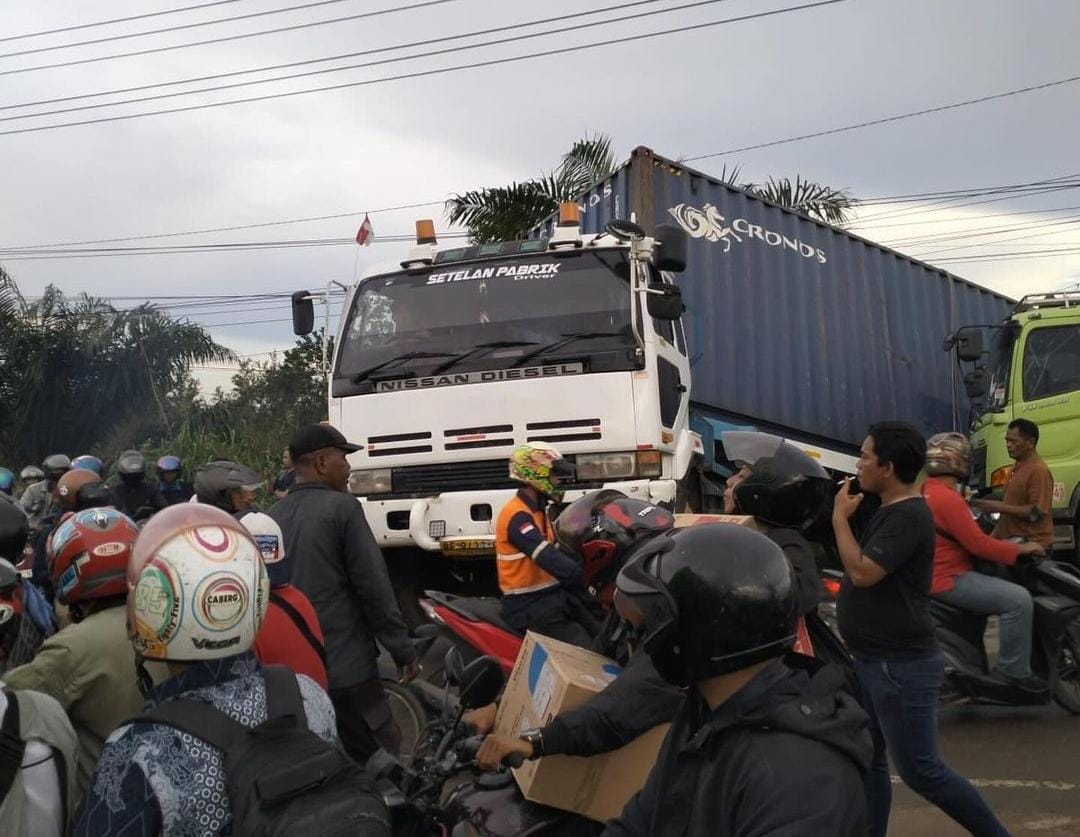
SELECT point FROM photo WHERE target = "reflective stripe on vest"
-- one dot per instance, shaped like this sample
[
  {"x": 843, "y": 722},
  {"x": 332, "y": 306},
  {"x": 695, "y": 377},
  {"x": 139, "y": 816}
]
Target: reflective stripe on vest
[{"x": 518, "y": 572}]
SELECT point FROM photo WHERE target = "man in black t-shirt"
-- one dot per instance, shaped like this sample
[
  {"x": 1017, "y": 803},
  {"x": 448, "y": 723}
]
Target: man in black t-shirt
[{"x": 884, "y": 616}]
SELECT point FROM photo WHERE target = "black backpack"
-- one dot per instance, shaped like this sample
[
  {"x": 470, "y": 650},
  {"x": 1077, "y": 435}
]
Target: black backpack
[{"x": 280, "y": 776}]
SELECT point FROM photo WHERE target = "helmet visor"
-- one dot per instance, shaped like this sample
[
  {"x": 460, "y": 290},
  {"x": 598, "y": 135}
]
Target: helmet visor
[{"x": 747, "y": 447}]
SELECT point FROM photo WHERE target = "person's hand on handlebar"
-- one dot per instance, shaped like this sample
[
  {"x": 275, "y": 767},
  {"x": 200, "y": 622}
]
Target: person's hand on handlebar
[
  {"x": 497, "y": 747},
  {"x": 482, "y": 720}
]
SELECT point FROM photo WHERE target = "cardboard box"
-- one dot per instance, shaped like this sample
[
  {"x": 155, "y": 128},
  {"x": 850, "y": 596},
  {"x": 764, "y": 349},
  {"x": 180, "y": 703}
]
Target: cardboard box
[
  {"x": 684, "y": 520},
  {"x": 550, "y": 677}
]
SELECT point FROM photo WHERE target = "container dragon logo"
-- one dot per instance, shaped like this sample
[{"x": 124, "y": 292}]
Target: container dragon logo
[{"x": 709, "y": 224}]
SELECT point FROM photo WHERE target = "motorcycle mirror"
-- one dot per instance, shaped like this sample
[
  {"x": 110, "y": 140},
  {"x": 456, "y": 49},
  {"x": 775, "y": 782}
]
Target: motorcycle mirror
[
  {"x": 453, "y": 666},
  {"x": 481, "y": 682}
]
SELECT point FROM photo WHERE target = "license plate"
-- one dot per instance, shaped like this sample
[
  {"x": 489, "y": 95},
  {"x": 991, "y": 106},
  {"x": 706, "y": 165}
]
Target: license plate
[{"x": 467, "y": 546}]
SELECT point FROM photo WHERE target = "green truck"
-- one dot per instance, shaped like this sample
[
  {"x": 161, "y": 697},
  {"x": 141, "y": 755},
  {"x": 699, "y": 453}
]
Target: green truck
[{"x": 1028, "y": 367}]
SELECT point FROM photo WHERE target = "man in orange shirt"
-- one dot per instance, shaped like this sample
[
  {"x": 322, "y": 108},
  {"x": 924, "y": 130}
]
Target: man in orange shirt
[{"x": 1026, "y": 506}]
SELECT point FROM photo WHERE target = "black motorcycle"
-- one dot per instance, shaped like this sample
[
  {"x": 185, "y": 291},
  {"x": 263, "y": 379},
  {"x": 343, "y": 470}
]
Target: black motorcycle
[
  {"x": 440, "y": 789},
  {"x": 1055, "y": 653}
]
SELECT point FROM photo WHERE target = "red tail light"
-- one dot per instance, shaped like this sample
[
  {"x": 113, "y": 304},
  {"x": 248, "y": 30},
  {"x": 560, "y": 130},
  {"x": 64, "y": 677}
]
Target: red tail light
[{"x": 832, "y": 587}]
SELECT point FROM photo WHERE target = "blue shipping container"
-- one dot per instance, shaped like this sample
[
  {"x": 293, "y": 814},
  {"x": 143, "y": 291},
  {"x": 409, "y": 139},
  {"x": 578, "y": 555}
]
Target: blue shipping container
[{"x": 794, "y": 325}]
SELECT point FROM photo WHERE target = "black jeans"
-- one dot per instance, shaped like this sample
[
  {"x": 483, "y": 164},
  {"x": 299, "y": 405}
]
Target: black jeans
[
  {"x": 364, "y": 720},
  {"x": 559, "y": 614},
  {"x": 901, "y": 698}
]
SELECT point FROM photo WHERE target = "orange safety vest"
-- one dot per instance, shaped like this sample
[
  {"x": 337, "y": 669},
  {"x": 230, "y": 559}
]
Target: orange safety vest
[{"x": 518, "y": 572}]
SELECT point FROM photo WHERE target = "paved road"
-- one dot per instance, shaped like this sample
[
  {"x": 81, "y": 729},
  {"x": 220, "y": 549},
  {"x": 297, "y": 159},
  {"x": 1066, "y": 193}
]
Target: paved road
[{"x": 1026, "y": 763}]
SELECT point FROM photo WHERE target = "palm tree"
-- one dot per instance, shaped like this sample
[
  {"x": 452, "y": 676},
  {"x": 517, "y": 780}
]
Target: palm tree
[
  {"x": 833, "y": 206},
  {"x": 506, "y": 213}
]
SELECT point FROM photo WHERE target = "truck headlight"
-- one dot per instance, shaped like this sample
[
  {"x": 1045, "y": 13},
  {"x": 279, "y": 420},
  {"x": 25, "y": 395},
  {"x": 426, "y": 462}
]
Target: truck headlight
[
  {"x": 363, "y": 483},
  {"x": 599, "y": 466}
]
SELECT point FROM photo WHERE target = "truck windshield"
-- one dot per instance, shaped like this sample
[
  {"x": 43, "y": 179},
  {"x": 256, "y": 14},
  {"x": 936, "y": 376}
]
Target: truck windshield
[
  {"x": 490, "y": 314},
  {"x": 998, "y": 365}
]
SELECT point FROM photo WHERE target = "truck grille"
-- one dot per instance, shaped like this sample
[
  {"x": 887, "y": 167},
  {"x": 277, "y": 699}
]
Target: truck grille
[{"x": 451, "y": 476}]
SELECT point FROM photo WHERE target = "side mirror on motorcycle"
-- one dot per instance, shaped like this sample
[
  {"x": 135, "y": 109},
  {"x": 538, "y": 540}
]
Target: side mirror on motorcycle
[
  {"x": 481, "y": 681},
  {"x": 453, "y": 666}
]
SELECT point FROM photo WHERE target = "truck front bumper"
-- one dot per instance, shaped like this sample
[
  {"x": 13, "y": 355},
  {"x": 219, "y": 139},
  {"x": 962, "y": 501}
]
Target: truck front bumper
[{"x": 461, "y": 524}]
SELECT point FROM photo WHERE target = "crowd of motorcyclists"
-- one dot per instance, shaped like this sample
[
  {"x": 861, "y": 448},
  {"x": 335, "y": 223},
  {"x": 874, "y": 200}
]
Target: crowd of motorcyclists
[{"x": 148, "y": 626}]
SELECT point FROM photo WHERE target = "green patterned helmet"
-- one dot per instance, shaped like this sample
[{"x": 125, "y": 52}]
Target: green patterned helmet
[{"x": 540, "y": 465}]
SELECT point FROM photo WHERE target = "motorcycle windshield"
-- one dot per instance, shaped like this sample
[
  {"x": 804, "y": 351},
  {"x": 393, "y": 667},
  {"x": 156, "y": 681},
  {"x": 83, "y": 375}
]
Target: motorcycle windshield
[{"x": 747, "y": 447}]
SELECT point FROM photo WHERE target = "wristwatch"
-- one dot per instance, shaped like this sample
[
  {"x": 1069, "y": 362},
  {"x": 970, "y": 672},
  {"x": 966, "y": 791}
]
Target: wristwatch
[{"x": 536, "y": 740}]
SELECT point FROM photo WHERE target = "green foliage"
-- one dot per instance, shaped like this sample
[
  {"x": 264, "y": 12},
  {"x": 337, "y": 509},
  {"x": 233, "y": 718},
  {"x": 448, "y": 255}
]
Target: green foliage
[
  {"x": 507, "y": 213},
  {"x": 833, "y": 206},
  {"x": 79, "y": 376}
]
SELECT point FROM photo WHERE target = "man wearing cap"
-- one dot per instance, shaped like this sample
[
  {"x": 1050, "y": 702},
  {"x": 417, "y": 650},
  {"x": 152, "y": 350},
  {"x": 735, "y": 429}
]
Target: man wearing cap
[{"x": 338, "y": 566}]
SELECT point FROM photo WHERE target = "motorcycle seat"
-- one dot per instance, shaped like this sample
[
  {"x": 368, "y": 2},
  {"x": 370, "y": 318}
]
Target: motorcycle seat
[{"x": 478, "y": 609}]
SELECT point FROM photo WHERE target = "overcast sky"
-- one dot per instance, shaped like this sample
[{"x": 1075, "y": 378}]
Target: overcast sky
[{"x": 418, "y": 140}]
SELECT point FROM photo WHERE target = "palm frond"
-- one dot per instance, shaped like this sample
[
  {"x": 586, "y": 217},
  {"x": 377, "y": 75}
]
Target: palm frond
[{"x": 833, "y": 206}]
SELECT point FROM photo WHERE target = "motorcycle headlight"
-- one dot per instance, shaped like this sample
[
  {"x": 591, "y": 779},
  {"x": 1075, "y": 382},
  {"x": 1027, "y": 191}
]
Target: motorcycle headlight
[{"x": 362, "y": 483}]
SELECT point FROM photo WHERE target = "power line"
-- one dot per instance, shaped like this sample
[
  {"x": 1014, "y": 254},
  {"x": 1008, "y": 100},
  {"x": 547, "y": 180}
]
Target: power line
[
  {"x": 980, "y": 233},
  {"x": 178, "y": 28},
  {"x": 127, "y": 19},
  {"x": 963, "y": 193},
  {"x": 380, "y": 62},
  {"x": 1018, "y": 255},
  {"x": 887, "y": 119},
  {"x": 949, "y": 203},
  {"x": 433, "y": 72},
  {"x": 982, "y": 216},
  {"x": 223, "y": 38},
  {"x": 310, "y": 61},
  {"x": 230, "y": 229}
]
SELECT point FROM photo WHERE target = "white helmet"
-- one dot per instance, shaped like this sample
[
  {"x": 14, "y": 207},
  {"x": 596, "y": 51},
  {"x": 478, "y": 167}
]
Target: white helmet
[
  {"x": 271, "y": 542},
  {"x": 197, "y": 587}
]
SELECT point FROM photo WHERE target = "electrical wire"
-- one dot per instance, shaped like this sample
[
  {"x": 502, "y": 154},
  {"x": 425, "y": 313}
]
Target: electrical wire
[
  {"x": 433, "y": 72},
  {"x": 129, "y": 18},
  {"x": 367, "y": 64},
  {"x": 229, "y": 229},
  {"x": 307, "y": 62},
  {"x": 222, "y": 39},
  {"x": 886, "y": 119}
]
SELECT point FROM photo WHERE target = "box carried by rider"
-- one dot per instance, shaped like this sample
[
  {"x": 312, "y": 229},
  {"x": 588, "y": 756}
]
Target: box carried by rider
[{"x": 550, "y": 677}]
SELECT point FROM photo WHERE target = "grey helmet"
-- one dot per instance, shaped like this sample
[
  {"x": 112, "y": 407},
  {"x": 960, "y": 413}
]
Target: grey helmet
[
  {"x": 55, "y": 466},
  {"x": 131, "y": 463},
  {"x": 215, "y": 480},
  {"x": 31, "y": 474}
]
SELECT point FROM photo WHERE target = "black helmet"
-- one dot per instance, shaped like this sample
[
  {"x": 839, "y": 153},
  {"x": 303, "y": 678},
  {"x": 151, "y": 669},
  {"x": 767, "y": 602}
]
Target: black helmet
[
  {"x": 716, "y": 598},
  {"x": 602, "y": 527},
  {"x": 55, "y": 466},
  {"x": 14, "y": 530},
  {"x": 786, "y": 487},
  {"x": 131, "y": 463},
  {"x": 92, "y": 496},
  {"x": 214, "y": 481}
]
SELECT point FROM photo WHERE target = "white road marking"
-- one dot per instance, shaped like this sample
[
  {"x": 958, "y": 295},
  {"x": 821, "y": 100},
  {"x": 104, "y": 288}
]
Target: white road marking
[{"x": 1025, "y": 784}]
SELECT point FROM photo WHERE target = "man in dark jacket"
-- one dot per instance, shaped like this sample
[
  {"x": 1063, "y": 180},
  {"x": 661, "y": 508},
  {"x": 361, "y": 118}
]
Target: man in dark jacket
[
  {"x": 766, "y": 743},
  {"x": 338, "y": 566}
]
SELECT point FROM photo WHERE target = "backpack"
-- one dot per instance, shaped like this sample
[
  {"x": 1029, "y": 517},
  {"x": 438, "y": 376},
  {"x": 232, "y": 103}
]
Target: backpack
[
  {"x": 12, "y": 746},
  {"x": 282, "y": 778}
]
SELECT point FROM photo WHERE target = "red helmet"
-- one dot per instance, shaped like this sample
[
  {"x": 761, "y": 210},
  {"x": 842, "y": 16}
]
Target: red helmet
[
  {"x": 90, "y": 555},
  {"x": 603, "y": 527}
]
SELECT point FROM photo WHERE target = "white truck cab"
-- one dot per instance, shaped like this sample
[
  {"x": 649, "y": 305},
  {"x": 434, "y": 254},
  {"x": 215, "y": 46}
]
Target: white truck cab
[{"x": 443, "y": 366}]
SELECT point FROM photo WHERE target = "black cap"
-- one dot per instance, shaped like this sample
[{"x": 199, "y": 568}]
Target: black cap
[{"x": 313, "y": 437}]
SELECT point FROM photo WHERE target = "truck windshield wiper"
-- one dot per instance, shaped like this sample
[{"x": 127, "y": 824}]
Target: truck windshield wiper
[
  {"x": 496, "y": 344},
  {"x": 363, "y": 374},
  {"x": 567, "y": 339}
]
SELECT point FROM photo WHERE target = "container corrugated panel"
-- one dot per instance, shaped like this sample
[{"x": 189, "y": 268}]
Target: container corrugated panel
[{"x": 796, "y": 325}]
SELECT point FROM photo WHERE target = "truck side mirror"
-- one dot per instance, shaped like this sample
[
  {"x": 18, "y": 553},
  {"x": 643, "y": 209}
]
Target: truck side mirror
[
  {"x": 664, "y": 301},
  {"x": 969, "y": 343},
  {"x": 671, "y": 243},
  {"x": 975, "y": 383},
  {"x": 303, "y": 313}
]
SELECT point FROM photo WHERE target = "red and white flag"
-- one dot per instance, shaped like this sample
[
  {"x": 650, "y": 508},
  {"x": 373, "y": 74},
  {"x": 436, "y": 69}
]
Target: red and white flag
[{"x": 366, "y": 233}]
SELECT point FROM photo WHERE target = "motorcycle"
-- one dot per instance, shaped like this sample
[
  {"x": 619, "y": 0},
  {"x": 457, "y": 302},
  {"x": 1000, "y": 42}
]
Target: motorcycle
[
  {"x": 440, "y": 790},
  {"x": 1055, "y": 654}
]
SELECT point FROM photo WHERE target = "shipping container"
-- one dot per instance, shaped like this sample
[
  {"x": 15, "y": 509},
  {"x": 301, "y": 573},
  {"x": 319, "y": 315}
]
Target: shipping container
[{"x": 794, "y": 325}]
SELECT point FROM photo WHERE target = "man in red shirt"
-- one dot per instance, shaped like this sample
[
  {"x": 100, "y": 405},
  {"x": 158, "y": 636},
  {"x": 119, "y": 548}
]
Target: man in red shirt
[
  {"x": 290, "y": 634},
  {"x": 958, "y": 540}
]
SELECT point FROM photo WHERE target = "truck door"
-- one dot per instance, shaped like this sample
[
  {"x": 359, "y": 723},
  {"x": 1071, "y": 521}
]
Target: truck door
[{"x": 673, "y": 369}]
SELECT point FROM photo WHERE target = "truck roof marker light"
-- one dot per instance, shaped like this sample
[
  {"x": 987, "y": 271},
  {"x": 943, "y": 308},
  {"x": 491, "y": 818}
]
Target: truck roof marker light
[
  {"x": 425, "y": 232},
  {"x": 567, "y": 232}
]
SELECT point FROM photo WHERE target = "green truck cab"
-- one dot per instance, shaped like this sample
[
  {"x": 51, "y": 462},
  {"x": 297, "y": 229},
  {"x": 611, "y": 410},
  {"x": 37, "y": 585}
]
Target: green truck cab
[{"x": 1028, "y": 367}]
